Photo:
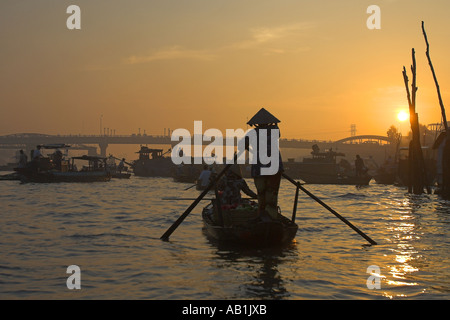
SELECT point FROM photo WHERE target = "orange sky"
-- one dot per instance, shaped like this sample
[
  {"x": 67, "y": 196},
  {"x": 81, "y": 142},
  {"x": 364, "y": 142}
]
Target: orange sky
[{"x": 163, "y": 64}]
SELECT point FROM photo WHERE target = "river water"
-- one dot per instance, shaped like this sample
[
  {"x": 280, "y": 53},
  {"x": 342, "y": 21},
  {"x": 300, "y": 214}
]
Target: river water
[{"x": 111, "y": 231}]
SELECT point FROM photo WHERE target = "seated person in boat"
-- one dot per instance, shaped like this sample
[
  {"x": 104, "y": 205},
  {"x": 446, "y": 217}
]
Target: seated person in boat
[
  {"x": 121, "y": 165},
  {"x": 203, "y": 179},
  {"x": 232, "y": 184}
]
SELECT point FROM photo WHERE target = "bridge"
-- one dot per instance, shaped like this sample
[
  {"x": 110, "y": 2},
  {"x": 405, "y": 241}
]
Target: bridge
[{"x": 28, "y": 141}]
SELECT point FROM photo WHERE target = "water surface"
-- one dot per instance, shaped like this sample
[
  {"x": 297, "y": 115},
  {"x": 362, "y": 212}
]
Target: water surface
[{"x": 111, "y": 231}]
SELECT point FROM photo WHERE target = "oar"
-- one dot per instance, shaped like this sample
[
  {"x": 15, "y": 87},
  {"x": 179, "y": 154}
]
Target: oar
[
  {"x": 190, "y": 187},
  {"x": 175, "y": 225},
  {"x": 298, "y": 185},
  {"x": 175, "y": 198},
  {"x": 124, "y": 161}
]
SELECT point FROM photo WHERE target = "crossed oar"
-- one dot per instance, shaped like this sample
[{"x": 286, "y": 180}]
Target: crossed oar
[
  {"x": 212, "y": 183},
  {"x": 299, "y": 186}
]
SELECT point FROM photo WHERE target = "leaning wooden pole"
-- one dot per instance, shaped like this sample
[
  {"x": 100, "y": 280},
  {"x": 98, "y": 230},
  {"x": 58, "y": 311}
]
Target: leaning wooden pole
[
  {"x": 441, "y": 103},
  {"x": 445, "y": 156}
]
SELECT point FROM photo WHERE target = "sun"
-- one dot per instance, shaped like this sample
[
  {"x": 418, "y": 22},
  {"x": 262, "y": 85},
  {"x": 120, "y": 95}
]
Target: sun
[{"x": 402, "y": 116}]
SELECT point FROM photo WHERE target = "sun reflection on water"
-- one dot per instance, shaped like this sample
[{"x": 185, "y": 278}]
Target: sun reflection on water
[{"x": 404, "y": 226}]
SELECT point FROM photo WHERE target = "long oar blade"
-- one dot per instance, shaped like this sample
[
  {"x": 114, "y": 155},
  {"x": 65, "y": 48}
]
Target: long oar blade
[
  {"x": 331, "y": 210},
  {"x": 190, "y": 187}
]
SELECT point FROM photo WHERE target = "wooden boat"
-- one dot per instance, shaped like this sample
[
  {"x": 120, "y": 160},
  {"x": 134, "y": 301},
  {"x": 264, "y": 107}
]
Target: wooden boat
[
  {"x": 242, "y": 225},
  {"x": 199, "y": 187},
  {"x": 114, "y": 169},
  {"x": 322, "y": 168},
  {"x": 10, "y": 176},
  {"x": 44, "y": 170},
  {"x": 152, "y": 163},
  {"x": 120, "y": 175},
  {"x": 185, "y": 178},
  {"x": 383, "y": 177}
]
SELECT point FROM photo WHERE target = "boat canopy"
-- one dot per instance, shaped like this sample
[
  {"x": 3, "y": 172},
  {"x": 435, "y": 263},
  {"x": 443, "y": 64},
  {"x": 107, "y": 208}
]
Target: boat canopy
[
  {"x": 90, "y": 158},
  {"x": 54, "y": 146},
  {"x": 148, "y": 150}
]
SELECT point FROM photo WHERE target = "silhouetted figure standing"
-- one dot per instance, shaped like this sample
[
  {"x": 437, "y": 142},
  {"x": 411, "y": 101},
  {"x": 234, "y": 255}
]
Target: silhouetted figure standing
[
  {"x": 22, "y": 159},
  {"x": 267, "y": 186},
  {"x": 359, "y": 166}
]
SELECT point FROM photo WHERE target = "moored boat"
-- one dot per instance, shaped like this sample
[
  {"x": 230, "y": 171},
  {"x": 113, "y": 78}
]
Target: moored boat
[
  {"x": 152, "y": 163},
  {"x": 242, "y": 225},
  {"x": 55, "y": 168},
  {"x": 322, "y": 168}
]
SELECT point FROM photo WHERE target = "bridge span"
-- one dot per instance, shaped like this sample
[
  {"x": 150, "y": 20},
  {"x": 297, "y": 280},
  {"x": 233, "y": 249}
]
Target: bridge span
[{"x": 29, "y": 141}]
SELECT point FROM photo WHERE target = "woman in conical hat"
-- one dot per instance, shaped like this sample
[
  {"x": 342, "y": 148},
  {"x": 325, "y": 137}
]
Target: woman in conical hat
[{"x": 267, "y": 185}]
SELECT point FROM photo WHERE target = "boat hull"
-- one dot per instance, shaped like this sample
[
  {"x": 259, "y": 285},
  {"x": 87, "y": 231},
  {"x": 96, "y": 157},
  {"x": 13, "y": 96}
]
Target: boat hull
[
  {"x": 162, "y": 167},
  {"x": 254, "y": 232},
  {"x": 120, "y": 175},
  {"x": 10, "y": 176}
]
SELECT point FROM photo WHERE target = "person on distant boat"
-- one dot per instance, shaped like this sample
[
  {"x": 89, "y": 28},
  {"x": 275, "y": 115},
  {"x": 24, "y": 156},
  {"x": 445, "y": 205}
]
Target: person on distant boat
[
  {"x": 57, "y": 158},
  {"x": 37, "y": 153},
  {"x": 267, "y": 186},
  {"x": 22, "y": 159},
  {"x": 231, "y": 186},
  {"x": 359, "y": 166},
  {"x": 203, "y": 179},
  {"x": 121, "y": 165}
]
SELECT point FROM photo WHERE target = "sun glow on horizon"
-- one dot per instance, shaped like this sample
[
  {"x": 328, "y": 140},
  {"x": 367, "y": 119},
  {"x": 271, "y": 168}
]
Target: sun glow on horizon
[{"x": 402, "y": 116}]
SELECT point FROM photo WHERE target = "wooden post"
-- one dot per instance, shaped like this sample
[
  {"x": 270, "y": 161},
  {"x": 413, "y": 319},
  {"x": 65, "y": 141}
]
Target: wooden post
[
  {"x": 417, "y": 171},
  {"x": 294, "y": 209}
]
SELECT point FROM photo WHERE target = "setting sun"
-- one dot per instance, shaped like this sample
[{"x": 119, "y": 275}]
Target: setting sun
[{"x": 402, "y": 116}]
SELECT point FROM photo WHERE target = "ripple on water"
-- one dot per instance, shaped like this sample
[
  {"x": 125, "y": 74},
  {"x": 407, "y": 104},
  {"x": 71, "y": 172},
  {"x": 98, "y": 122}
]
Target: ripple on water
[{"x": 112, "y": 232}]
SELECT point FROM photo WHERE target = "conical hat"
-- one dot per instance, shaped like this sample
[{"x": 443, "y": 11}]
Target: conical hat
[{"x": 263, "y": 117}]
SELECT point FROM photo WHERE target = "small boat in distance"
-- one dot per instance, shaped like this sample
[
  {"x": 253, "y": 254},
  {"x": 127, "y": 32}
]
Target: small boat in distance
[{"x": 117, "y": 171}]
